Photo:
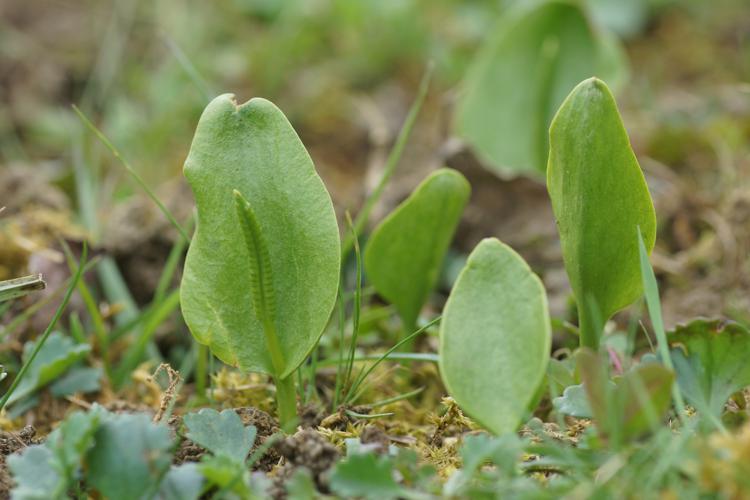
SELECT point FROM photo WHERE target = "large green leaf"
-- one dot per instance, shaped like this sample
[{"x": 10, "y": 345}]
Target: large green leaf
[
  {"x": 253, "y": 150},
  {"x": 405, "y": 253},
  {"x": 532, "y": 60},
  {"x": 495, "y": 337},
  {"x": 600, "y": 199},
  {"x": 711, "y": 361}
]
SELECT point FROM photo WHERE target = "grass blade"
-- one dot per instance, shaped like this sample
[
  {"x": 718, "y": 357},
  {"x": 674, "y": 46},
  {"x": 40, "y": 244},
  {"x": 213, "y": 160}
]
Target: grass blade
[
  {"x": 390, "y": 166},
  {"x": 132, "y": 172},
  {"x": 651, "y": 290},
  {"x": 18, "y": 287},
  {"x": 68, "y": 293}
]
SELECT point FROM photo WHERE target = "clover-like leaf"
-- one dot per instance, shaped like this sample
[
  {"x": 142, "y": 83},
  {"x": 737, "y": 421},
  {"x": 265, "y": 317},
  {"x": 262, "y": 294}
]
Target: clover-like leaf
[
  {"x": 130, "y": 457},
  {"x": 495, "y": 337},
  {"x": 252, "y": 150},
  {"x": 531, "y": 61},
  {"x": 405, "y": 253},
  {"x": 220, "y": 433},
  {"x": 711, "y": 361},
  {"x": 573, "y": 402},
  {"x": 600, "y": 199}
]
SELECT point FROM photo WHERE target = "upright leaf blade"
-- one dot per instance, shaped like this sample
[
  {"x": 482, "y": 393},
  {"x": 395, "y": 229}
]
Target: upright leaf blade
[
  {"x": 495, "y": 337},
  {"x": 533, "y": 59},
  {"x": 253, "y": 149},
  {"x": 600, "y": 199},
  {"x": 405, "y": 253}
]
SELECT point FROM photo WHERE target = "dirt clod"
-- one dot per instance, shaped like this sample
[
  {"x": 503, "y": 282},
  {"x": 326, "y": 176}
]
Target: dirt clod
[
  {"x": 11, "y": 442},
  {"x": 308, "y": 449}
]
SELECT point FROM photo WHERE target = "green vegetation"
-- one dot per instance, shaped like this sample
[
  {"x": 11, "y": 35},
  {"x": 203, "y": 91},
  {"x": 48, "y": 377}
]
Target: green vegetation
[{"x": 456, "y": 265}]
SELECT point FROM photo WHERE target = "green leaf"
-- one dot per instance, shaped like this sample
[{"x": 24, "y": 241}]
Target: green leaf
[
  {"x": 711, "y": 361},
  {"x": 495, "y": 337},
  {"x": 35, "y": 475},
  {"x": 220, "y": 433},
  {"x": 55, "y": 358},
  {"x": 573, "y": 402},
  {"x": 366, "y": 476},
  {"x": 71, "y": 441},
  {"x": 532, "y": 60},
  {"x": 624, "y": 18},
  {"x": 405, "y": 253},
  {"x": 631, "y": 406},
  {"x": 130, "y": 457},
  {"x": 182, "y": 482},
  {"x": 478, "y": 450},
  {"x": 18, "y": 287},
  {"x": 226, "y": 474},
  {"x": 301, "y": 485},
  {"x": 600, "y": 199},
  {"x": 78, "y": 379},
  {"x": 252, "y": 149}
]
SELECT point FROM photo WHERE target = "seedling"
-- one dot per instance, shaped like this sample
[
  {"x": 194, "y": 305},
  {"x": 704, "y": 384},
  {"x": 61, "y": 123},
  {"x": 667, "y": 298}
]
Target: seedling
[
  {"x": 495, "y": 337},
  {"x": 262, "y": 271},
  {"x": 405, "y": 253},
  {"x": 600, "y": 200}
]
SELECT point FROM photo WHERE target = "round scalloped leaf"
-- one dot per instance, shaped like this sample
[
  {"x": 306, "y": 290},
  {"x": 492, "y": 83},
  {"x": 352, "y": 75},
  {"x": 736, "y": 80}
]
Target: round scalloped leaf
[{"x": 711, "y": 361}]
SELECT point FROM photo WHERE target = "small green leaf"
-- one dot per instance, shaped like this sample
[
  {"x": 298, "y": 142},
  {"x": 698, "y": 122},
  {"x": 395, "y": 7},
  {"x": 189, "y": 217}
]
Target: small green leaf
[
  {"x": 573, "y": 402},
  {"x": 55, "y": 358},
  {"x": 253, "y": 150},
  {"x": 600, "y": 199},
  {"x": 631, "y": 406},
  {"x": 78, "y": 379},
  {"x": 495, "y": 337},
  {"x": 35, "y": 475},
  {"x": 367, "y": 476},
  {"x": 301, "y": 485},
  {"x": 182, "y": 482},
  {"x": 532, "y": 60},
  {"x": 226, "y": 474},
  {"x": 71, "y": 441},
  {"x": 711, "y": 361},
  {"x": 405, "y": 253},
  {"x": 221, "y": 433},
  {"x": 130, "y": 457}
]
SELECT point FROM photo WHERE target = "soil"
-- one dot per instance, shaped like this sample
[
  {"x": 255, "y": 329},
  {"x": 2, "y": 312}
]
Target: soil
[
  {"x": 11, "y": 442},
  {"x": 305, "y": 449}
]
